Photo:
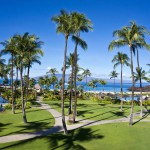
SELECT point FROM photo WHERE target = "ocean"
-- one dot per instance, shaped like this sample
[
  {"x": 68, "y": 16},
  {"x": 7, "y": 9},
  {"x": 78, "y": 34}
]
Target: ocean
[{"x": 109, "y": 87}]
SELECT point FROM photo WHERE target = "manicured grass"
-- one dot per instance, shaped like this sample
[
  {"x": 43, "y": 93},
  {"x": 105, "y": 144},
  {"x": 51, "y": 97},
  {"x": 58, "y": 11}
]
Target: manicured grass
[
  {"x": 37, "y": 120},
  {"x": 108, "y": 136},
  {"x": 87, "y": 109}
]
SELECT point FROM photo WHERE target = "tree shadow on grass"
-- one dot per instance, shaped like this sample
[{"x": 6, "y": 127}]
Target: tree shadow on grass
[
  {"x": 146, "y": 114},
  {"x": 60, "y": 141},
  {"x": 4, "y": 126}
]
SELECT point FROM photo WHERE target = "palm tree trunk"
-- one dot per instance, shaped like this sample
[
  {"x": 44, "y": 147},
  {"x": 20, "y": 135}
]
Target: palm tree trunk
[
  {"x": 12, "y": 84},
  {"x": 121, "y": 90},
  {"x": 22, "y": 96},
  {"x": 86, "y": 82},
  {"x": 114, "y": 88},
  {"x": 75, "y": 86},
  {"x": 141, "y": 99},
  {"x": 132, "y": 101},
  {"x": 70, "y": 97},
  {"x": 62, "y": 90},
  {"x": 16, "y": 83},
  {"x": 27, "y": 83}
]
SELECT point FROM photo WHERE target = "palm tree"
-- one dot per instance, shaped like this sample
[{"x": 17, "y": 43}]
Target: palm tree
[
  {"x": 53, "y": 80},
  {"x": 10, "y": 48},
  {"x": 85, "y": 74},
  {"x": 140, "y": 75},
  {"x": 114, "y": 75},
  {"x": 93, "y": 83},
  {"x": 2, "y": 66},
  {"x": 121, "y": 59},
  {"x": 102, "y": 83},
  {"x": 127, "y": 36},
  {"x": 32, "y": 56},
  {"x": 63, "y": 22},
  {"x": 70, "y": 60},
  {"x": 80, "y": 24},
  {"x": 41, "y": 81},
  {"x": 52, "y": 71},
  {"x": 25, "y": 44}
]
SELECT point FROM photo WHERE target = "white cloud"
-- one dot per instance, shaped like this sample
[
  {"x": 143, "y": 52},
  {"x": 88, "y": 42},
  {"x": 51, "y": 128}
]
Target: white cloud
[{"x": 48, "y": 68}]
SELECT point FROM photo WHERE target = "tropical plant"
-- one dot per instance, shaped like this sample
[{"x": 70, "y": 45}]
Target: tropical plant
[
  {"x": 52, "y": 71},
  {"x": 114, "y": 75},
  {"x": 80, "y": 23},
  {"x": 63, "y": 22},
  {"x": 140, "y": 75},
  {"x": 127, "y": 36},
  {"x": 93, "y": 83},
  {"x": 102, "y": 83},
  {"x": 10, "y": 48},
  {"x": 121, "y": 59},
  {"x": 85, "y": 74}
]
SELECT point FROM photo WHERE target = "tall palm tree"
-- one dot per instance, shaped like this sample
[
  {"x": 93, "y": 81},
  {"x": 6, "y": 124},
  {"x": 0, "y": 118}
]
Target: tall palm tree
[
  {"x": 63, "y": 22},
  {"x": 85, "y": 74},
  {"x": 2, "y": 66},
  {"x": 140, "y": 43},
  {"x": 25, "y": 45},
  {"x": 32, "y": 56},
  {"x": 114, "y": 75},
  {"x": 140, "y": 75},
  {"x": 10, "y": 48},
  {"x": 121, "y": 59},
  {"x": 80, "y": 24},
  {"x": 127, "y": 36}
]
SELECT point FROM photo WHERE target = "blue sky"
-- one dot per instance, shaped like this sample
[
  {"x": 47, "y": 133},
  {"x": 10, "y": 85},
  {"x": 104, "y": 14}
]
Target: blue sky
[{"x": 34, "y": 16}]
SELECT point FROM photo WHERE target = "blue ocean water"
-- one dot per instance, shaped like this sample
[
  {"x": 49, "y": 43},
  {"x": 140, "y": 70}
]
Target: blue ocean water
[{"x": 109, "y": 87}]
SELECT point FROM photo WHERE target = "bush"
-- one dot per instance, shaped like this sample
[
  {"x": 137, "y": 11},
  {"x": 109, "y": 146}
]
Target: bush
[{"x": 8, "y": 106}]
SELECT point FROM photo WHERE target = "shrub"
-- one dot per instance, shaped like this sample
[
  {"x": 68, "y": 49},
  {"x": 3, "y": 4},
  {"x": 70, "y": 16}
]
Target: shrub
[{"x": 8, "y": 106}]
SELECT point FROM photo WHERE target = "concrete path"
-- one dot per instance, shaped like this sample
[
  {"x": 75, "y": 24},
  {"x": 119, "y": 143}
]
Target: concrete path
[{"x": 58, "y": 125}]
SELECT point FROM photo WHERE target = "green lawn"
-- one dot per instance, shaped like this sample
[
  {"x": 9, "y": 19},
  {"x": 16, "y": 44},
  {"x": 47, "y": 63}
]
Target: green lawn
[
  {"x": 87, "y": 109},
  {"x": 118, "y": 136},
  {"x": 37, "y": 120}
]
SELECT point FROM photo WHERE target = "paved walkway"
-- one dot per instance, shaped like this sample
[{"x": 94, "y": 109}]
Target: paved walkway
[{"x": 58, "y": 125}]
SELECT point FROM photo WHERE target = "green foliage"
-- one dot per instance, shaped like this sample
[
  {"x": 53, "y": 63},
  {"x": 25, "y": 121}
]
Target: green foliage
[{"x": 8, "y": 106}]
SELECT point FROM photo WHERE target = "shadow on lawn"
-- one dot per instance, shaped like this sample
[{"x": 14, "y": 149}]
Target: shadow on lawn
[
  {"x": 32, "y": 127},
  {"x": 146, "y": 114},
  {"x": 4, "y": 126},
  {"x": 61, "y": 141}
]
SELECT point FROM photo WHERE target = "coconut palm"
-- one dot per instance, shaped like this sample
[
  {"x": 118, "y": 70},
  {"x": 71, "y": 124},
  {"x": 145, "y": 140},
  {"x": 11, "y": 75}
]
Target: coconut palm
[
  {"x": 63, "y": 22},
  {"x": 2, "y": 66},
  {"x": 102, "y": 83},
  {"x": 127, "y": 36},
  {"x": 121, "y": 59},
  {"x": 32, "y": 56},
  {"x": 85, "y": 74},
  {"x": 140, "y": 43},
  {"x": 24, "y": 44},
  {"x": 114, "y": 75},
  {"x": 93, "y": 83},
  {"x": 10, "y": 48},
  {"x": 41, "y": 81},
  {"x": 80, "y": 24},
  {"x": 140, "y": 75},
  {"x": 53, "y": 80},
  {"x": 52, "y": 71}
]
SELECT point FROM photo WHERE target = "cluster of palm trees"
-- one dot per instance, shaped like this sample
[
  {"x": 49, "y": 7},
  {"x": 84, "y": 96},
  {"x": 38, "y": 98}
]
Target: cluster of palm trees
[
  {"x": 93, "y": 83},
  {"x": 48, "y": 81},
  {"x": 25, "y": 50},
  {"x": 132, "y": 36},
  {"x": 71, "y": 24}
]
